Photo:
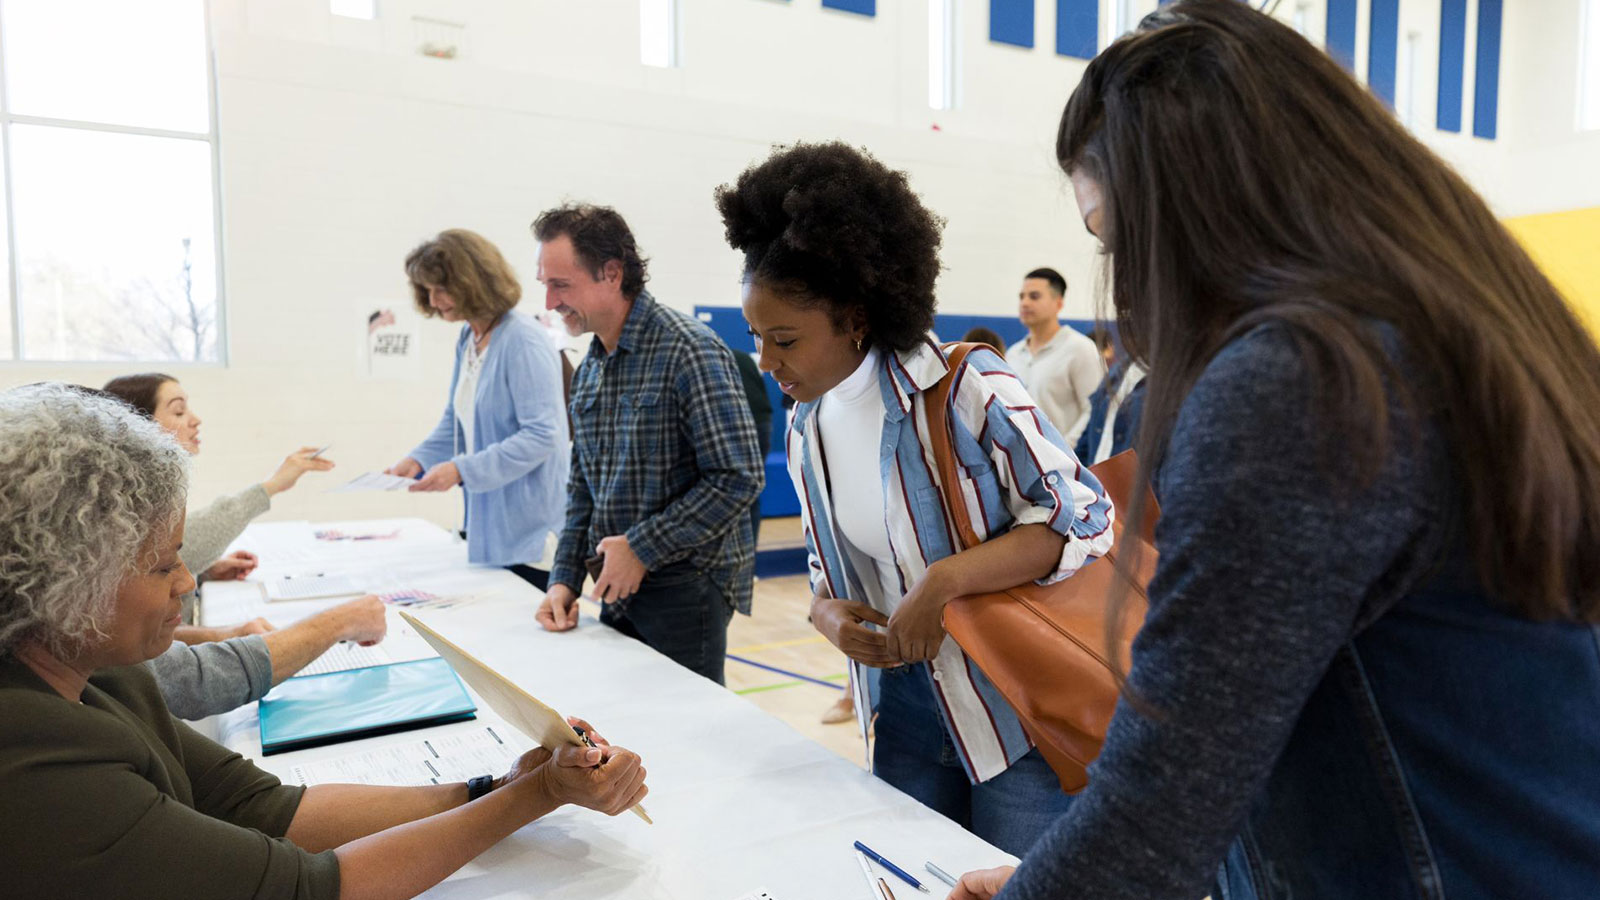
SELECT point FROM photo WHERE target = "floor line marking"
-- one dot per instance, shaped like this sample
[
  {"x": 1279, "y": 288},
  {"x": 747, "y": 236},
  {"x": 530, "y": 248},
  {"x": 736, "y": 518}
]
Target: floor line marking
[
  {"x": 814, "y": 639},
  {"x": 751, "y": 662}
]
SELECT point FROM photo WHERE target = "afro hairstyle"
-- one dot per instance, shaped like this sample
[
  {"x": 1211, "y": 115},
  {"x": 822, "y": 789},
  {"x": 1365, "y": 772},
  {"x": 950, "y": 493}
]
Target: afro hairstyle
[{"x": 828, "y": 225}]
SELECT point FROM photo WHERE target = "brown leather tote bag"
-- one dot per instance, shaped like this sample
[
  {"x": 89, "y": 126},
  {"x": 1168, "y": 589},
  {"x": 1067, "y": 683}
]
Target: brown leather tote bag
[{"x": 1045, "y": 647}]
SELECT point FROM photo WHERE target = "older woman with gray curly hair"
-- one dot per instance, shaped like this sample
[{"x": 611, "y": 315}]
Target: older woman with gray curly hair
[{"x": 102, "y": 792}]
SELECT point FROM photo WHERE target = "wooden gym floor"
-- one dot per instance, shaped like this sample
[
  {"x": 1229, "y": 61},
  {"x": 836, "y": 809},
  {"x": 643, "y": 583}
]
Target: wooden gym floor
[{"x": 776, "y": 659}]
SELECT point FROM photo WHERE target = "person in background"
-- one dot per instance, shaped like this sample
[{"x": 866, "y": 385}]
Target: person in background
[
  {"x": 981, "y": 335},
  {"x": 665, "y": 460},
  {"x": 102, "y": 793},
  {"x": 1105, "y": 341},
  {"x": 503, "y": 434},
  {"x": 1060, "y": 367},
  {"x": 1114, "y": 409},
  {"x": 755, "y": 393},
  {"x": 162, "y": 399},
  {"x": 1369, "y": 667},
  {"x": 840, "y": 257}
]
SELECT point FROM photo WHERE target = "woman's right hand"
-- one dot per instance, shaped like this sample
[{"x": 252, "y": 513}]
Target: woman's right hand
[
  {"x": 294, "y": 465},
  {"x": 405, "y": 468},
  {"x": 842, "y": 623},
  {"x": 606, "y": 779},
  {"x": 982, "y": 884}
]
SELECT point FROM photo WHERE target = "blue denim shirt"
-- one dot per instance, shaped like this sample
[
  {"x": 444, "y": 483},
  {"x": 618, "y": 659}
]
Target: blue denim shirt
[
  {"x": 1452, "y": 752},
  {"x": 514, "y": 477}
]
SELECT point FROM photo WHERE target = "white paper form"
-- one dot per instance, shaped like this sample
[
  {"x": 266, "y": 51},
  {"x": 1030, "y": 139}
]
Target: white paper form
[
  {"x": 373, "y": 481},
  {"x": 437, "y": 759}
]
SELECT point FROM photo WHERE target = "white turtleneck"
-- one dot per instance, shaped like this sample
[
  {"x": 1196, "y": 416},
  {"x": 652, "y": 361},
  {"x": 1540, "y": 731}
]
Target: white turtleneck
[{"x": 850, "y": 424}]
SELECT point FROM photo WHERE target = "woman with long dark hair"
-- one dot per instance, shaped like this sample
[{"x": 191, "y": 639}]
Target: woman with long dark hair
[{"x": 1371, "y": 666}]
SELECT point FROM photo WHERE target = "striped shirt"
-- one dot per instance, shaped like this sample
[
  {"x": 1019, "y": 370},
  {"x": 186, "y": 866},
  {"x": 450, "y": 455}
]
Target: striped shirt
[{"x": 1015, "y": 470}]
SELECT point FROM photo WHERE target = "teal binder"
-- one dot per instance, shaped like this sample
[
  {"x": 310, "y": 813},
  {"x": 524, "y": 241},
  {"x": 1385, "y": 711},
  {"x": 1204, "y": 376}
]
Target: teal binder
[{"x": 313, "y": 710}]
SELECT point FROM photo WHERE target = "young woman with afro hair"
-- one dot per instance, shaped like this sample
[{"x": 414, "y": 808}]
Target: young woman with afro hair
[{"x": 840, "y": 258}]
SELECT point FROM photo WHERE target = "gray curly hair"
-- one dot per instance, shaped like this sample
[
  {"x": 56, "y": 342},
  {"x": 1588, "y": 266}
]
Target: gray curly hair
[{"x": 85, "y": 482}]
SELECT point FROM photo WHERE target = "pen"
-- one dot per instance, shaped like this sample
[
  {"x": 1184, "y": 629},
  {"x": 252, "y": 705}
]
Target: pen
[
  {"x": 584, "y": 736},
  {"x": 904, "y": 875},
  {"x": 322, "y": 451},
  {"x": 866, "y": 870},
  {"x": 884, "y": 885},
  {"x": 940, "y": 874}
]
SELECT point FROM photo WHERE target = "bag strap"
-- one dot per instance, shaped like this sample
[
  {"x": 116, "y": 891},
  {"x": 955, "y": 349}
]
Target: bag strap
[
  {"x": 937, "y": 406},
  {"x": 1117, "y": 475}
]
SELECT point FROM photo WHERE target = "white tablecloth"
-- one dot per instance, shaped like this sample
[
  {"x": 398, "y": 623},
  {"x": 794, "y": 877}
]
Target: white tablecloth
[{"x": 740, "y": 800}]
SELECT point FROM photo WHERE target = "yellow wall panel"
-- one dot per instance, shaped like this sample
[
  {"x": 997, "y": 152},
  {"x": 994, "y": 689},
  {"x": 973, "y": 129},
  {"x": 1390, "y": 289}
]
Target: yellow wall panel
[{"x": 1567, "y": 246}]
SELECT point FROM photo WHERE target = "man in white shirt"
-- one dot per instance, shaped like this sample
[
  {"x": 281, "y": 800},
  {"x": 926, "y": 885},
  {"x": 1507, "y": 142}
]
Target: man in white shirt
[{"x": 1060, "y": 367}]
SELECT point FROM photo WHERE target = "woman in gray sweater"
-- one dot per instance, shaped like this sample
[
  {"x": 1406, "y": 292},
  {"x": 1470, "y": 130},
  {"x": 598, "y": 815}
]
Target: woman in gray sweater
[
  {"x": 1371, "y": 663},
  {"x": 212, "y": 528}
]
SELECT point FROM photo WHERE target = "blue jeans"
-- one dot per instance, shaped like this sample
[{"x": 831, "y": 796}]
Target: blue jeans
[
  {"x": 914, "y": 752},
  {"x": 678, "y": 611}
]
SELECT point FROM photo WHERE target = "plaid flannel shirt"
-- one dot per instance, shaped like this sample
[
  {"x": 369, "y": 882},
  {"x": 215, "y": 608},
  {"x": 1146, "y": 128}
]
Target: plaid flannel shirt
[{"x": 664, "y": 452}]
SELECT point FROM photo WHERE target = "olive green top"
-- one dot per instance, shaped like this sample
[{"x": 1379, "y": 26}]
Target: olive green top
[{"x": 114, "y": 798}]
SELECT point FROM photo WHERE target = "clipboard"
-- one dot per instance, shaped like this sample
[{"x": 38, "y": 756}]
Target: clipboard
[{"x": 521, "y": 709}]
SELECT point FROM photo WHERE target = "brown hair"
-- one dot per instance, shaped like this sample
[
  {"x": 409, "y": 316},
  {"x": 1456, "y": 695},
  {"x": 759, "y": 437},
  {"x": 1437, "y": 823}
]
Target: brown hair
[
  {"x": 982, "y": 335},
  {"x": 138, "y": 391},
  {"x": 1308, "y": 206},
  {"x": 599, "y": 235},
  {"x": 469, "y": 268}
]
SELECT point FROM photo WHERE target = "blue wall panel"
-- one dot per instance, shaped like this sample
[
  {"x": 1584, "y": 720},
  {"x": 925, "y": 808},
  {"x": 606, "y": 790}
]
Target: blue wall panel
[
  {"x": 1078, "y": 28},
  {"x": 1011, "y": 22},
  {"x": 863, "y": 7},
  {"x": 1383, "y": 48},
  {"x": 1486, "y": 77},
  {"x": 1342, "y": 32},
  {"x": 1452, "y": 63}
]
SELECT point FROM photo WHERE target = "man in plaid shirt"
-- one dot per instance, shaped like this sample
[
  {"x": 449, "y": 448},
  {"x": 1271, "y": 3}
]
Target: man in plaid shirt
[{"x": 665, "y": 462}]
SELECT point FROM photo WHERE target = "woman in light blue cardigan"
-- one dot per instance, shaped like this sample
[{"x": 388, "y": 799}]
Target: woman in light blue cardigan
[{"x": 503, "y": 436}]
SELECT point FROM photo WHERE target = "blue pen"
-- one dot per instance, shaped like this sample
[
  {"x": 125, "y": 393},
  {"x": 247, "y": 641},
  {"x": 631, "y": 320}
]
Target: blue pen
[{"x": 904, "y": 875}]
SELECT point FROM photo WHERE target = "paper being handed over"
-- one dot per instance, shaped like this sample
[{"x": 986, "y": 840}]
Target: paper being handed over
[{"x": 518, "y": 707}]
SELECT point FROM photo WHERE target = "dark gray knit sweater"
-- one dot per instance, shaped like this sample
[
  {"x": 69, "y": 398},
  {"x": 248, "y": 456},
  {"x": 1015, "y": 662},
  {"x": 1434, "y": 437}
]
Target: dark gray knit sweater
[{"x": 1266, "y": 570}]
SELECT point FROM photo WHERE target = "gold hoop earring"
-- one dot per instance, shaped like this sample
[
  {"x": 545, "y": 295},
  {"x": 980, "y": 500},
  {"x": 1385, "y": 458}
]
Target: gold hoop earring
[{"x": 858, "y": 344}]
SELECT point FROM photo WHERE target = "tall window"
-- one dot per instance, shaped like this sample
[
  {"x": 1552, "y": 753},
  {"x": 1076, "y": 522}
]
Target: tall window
[
  {"x": 658, "y": 33},
  {"x": 354, "y": 9},
  {"x": 1124, "y": 15},
  {"x": 110, "y": 176},
  {"x": 1410, "y": 58},
  {"x": 1589, "y": 67},
  {"x": 942, "y": 78}
]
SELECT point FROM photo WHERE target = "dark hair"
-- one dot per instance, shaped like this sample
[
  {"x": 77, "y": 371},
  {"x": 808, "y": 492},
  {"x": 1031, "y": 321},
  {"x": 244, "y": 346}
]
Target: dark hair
[
  {"x": 599, "y": 235},
  {"x": 1102, "y": 337},
  {"x": 470, "y": 268},
  {"x": 138, "y": 391},
  {"x": 988, "y": 336},
  {"x": 828, "y": 225},
  {"x": 1057, "y": 282},
  {"x": 1314, "y": 210}
]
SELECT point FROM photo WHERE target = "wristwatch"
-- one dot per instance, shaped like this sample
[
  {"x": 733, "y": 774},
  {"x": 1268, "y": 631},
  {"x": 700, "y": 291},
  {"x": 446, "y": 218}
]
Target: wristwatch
[{"x": 477, "y": 787}]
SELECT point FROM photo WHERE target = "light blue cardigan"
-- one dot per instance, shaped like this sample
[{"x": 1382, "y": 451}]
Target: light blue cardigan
[{"x": 515, "y": 477}]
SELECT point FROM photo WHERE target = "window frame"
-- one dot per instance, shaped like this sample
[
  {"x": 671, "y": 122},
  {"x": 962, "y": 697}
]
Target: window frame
[
  {"x": 1586, "y": 118},
  {"x": 209, "y": 136},
  {"x": 673, "y": 10}
]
